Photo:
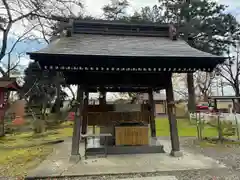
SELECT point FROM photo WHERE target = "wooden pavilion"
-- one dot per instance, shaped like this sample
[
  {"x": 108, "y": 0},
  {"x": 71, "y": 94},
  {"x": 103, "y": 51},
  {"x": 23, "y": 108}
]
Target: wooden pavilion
[{"x": 122, "y": 57}]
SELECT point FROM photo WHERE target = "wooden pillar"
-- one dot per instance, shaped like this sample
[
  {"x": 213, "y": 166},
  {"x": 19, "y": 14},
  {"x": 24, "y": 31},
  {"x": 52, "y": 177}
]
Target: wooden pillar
[
  {"x": 152, "y": 113},
  {"x": 75, "y": 155},
  {"x": 85, "y": 113},
  {"x": 172, "y": 119}
]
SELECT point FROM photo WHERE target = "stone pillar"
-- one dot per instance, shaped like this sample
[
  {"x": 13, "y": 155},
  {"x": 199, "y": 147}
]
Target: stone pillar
[
  {"x": 85, "y": 113},
  {"x": 75, "y": 155},
  {"x": 152, "y": 113},
  {"x": 172, "y": 119}
]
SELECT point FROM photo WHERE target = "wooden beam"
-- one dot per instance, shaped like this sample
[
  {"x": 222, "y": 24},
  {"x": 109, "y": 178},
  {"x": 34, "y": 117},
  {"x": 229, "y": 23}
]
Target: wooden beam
[
  {"x": 152, "y": 112},
  {"x": 172, "y": 119},
  {"x": 75, "y": 155}
]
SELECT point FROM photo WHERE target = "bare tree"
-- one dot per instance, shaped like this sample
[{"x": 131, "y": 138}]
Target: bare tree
[
  {"x": 180, "y": 85},
  {"x": 25, "y": 13},
  {"x": 230, "y": 70},
  {"x": 115, "y": 10},
  {"x": 204, "y": 82}
]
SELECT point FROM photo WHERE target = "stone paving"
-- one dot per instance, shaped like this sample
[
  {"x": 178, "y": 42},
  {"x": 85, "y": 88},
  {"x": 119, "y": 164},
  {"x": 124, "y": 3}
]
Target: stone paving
[
  {"x": 58, "y": 163},
  {"x": 152, "y": 178}
]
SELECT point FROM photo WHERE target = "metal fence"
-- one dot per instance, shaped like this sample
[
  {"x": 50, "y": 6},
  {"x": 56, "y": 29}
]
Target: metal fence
[{"x": 227, "y": 125}]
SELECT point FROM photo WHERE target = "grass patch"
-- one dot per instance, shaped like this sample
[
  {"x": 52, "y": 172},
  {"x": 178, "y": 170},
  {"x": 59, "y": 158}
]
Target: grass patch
[
  {"x": 17, "y": 162},
  {"x": 185, "y": 128},
  {"x": 28, "y": 138}
]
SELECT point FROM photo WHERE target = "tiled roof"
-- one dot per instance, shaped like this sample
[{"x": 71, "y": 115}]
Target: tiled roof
[
  {"x": 9, "y": 83},
  {"x": 116, "y": 45},
  {"x": 4, "y": 84}
]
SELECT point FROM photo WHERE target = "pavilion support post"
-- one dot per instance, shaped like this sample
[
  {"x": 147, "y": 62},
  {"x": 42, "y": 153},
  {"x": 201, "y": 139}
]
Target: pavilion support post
[
  {"x": 85, "y": 113},
  {"x": 172, "y": 120},
  {"x": 75, "y": 155},
  {"x": 152, "y": 113}
]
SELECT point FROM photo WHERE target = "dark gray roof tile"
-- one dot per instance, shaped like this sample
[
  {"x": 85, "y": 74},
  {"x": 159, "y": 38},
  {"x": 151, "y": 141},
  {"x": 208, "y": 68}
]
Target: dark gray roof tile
[{"x": 113, "y": 45}]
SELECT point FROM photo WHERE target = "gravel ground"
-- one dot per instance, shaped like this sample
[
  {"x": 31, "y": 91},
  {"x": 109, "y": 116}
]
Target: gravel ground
[
  {"x": 227, "y": 174},
  {"x": 227, "y": 154}
]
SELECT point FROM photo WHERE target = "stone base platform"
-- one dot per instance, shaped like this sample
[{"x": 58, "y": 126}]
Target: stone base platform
[
  {"x": 94, "y": 148},
  {"x": 114, "y": 150},
  {"x": 58, "y": 165}
]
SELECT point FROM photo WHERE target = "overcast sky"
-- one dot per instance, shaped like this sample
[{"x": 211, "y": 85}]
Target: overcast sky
[{"x": 93, "y": 7}]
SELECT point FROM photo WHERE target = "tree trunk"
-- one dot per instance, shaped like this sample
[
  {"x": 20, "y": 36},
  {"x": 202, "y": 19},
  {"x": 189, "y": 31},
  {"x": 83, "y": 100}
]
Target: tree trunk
[
  {"x": 152, "y": 112},
  {"x": 237, "y": 101},
  {"x": 75, "y": 155},
  {"x": 205, "y": 97},
  {"x": 58, "y": 100},
  {"x": 191, "y": 93},
  {"x": 102, "y": 99}
]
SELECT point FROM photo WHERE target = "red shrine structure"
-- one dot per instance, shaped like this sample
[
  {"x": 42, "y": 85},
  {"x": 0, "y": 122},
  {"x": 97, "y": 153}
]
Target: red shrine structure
[
  {"x": 6, "y": 85},
  {"x": 110, "y": 56}
]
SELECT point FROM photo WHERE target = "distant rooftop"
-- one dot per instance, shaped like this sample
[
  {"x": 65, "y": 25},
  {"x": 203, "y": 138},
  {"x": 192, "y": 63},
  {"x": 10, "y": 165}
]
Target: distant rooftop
[
  {"x": 158, "y": 96},
  {"x": 224, "y": 97}
]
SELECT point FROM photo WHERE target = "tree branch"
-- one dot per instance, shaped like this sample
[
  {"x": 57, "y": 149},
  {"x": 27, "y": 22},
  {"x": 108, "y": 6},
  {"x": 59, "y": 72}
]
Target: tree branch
[
  {"x": 25, "y": 15},
  {"x": 20, "y": 37},
  {"x": 7, "y": 8}
]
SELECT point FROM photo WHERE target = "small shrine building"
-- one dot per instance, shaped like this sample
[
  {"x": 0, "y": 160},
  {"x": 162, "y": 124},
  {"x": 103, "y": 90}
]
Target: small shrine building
[{"x": 109, "y": 56}]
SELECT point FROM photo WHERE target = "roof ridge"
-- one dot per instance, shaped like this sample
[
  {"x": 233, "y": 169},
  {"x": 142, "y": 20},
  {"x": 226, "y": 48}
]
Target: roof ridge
[
  {"x": 124, "y": 28},
  {"x": 120, "y": 22}
]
